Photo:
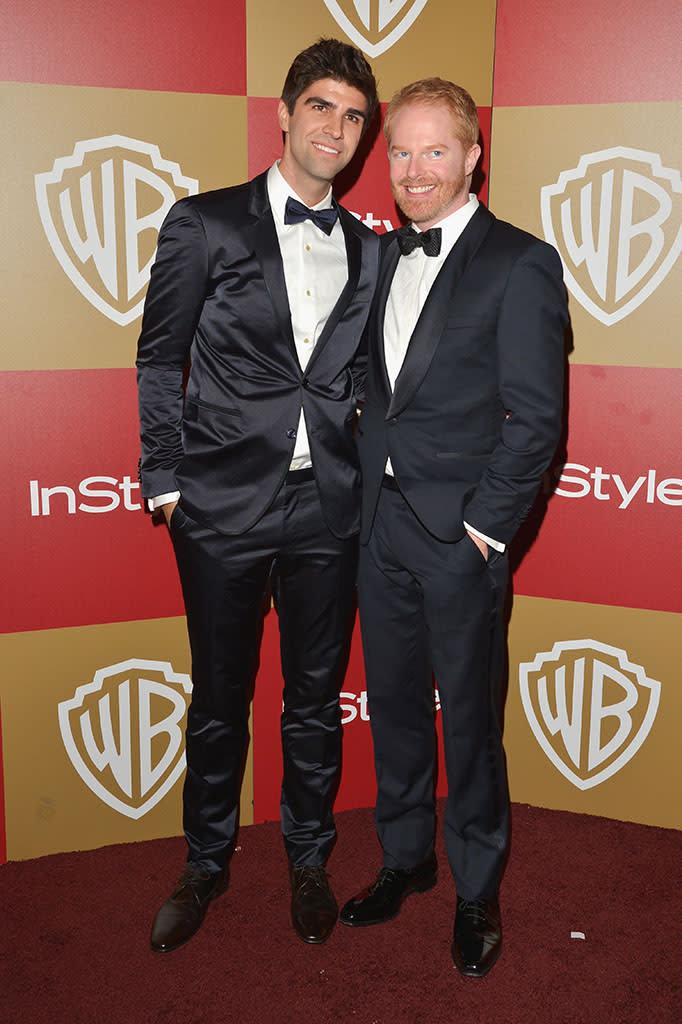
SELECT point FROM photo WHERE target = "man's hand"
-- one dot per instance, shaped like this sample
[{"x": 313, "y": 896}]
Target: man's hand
[
  {"x": 168, "y": 511},
  {"x": 480, "y": 544}
]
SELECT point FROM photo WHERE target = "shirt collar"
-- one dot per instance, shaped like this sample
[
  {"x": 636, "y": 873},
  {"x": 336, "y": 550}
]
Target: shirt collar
[{"x": 279, "y": 191}]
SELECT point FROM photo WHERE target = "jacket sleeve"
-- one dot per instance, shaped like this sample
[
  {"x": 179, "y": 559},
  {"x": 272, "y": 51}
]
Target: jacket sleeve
[
  {"x": 175, "y": 297},
  {"x": 530, "y": 358}
]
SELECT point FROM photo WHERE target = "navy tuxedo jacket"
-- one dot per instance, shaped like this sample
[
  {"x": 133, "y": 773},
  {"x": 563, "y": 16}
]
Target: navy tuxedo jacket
[
  {"x": 217, "y": 299},
  {"x": 476, "y": 412}
]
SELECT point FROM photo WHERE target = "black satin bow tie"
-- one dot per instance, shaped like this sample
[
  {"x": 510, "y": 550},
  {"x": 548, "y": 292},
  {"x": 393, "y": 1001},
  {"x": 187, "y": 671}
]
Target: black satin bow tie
[
  {"x": 409, "y": 240},
  {"x": 296, "y": 213}
]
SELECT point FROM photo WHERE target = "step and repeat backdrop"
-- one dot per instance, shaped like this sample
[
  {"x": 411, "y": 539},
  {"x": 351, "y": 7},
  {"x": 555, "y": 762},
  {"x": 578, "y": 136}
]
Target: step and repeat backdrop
[{"x": 109, "y": 116}]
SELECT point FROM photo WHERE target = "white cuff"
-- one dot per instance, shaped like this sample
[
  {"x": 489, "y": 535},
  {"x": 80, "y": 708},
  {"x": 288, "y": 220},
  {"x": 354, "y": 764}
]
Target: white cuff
[{"x": 162, "y": 499}]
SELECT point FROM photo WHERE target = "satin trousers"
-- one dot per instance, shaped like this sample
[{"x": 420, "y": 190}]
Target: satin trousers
[
  {"x": 224, "y": 581},
  {"x": 433, "y": 608}
]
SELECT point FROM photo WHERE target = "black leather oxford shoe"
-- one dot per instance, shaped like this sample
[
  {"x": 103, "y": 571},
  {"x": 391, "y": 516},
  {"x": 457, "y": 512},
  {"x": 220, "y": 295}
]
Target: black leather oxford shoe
[
  {"x": 181, "y": 915},
  {"x": 477, "y": 939},
  {"x": 313, "y": 907},
  {"x": 382, "y": 900}
]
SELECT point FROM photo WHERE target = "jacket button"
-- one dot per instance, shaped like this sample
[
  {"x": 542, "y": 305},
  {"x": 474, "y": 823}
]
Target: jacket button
[
  {"x": 305, "y": 383},
  {"x": 291, "y": 433}
]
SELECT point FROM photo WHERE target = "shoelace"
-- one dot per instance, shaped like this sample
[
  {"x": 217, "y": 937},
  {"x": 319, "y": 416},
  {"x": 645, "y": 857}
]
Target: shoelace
[
  {"x": 476, "y": 909},
  {"x": 308, "y": 878}
]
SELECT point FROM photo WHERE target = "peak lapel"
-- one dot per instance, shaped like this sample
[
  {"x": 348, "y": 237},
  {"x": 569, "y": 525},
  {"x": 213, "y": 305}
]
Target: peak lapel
[
  {"x": 389, "y": 262},
  {"x": 266, "y": 247},
  {"x": 429, "y": 327}
]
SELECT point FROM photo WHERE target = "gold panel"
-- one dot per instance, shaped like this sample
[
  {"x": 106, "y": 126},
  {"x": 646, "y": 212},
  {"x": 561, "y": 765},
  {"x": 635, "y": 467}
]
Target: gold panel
[
  {"x": 49, "y": 806},
  {"x": 532, "y": 146},
  {"x": 49, "y": 322},
  {"x": 454, "y": 41},
  {"x": 638, "y": 783}
]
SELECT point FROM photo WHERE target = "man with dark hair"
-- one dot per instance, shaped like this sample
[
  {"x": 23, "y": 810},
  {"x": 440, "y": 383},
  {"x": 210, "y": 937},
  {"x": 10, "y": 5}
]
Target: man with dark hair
[
  {"x": 263, "y": 289},
  {"x": 462, "y": 415}
]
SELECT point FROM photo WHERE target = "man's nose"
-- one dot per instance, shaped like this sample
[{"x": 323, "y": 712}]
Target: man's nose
[{"x": 334, "y": 125}]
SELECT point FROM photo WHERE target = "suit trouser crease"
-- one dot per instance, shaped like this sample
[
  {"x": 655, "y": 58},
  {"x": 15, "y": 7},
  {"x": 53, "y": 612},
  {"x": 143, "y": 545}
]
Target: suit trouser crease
[
  {"x": 224, "y": 581},
  {"x": 429, "y": 606}
]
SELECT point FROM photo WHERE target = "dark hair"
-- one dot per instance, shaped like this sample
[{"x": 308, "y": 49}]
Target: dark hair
[{"x": 330, "y": 58}]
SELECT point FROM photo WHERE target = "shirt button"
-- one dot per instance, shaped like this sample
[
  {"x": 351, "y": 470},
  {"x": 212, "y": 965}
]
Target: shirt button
[
  {"x": 306, "y": 341},
  {"x": 307, "y": 291},
  {"x": 307, "y": 248},
  {"x": 291, "y": 433}
]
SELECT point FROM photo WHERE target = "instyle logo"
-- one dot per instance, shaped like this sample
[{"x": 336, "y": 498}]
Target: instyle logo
[
  {"x": 123, "y": 733},
  {"x": 616, "y": 220},
  {"x": 372, "y": 24},
  {"x": 578, "y": 481},
  {"x": 354, "y": 706},
  {"x": 101, "y": 210},
  {"x": 100, "y": 494},
  {"x": 590, "y": 708}
]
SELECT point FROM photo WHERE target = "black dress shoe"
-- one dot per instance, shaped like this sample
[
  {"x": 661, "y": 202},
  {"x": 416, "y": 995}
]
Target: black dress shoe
[
  {"x": 477, "y": 940},
  {"x": 382, "y": 900},
  {"x": 181, "y": 915},
  {"x": 313, "y": 907}
]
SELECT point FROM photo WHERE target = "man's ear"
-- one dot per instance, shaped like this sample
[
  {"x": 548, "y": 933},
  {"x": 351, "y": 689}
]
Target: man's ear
[
  {"x": 471, "y": 159},
  {"x": 283, "y": 115}
]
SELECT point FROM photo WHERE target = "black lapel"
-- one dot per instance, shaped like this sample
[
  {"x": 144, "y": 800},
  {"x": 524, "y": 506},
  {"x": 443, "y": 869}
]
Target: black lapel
[
  {"x": 354, "y": 256},
  {"x": 266, "y": 247},
  {"x": 429, "y": 327},
  {"x": 389, "y": 261}
]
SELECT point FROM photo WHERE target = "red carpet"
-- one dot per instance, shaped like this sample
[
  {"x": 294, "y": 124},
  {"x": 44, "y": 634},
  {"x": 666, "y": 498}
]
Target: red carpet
[{"x": 74, "y": 940}]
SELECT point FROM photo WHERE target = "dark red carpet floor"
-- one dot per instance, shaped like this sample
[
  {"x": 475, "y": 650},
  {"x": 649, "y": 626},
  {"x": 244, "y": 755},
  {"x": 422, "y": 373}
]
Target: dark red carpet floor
[{"x": 74, "y": 936}]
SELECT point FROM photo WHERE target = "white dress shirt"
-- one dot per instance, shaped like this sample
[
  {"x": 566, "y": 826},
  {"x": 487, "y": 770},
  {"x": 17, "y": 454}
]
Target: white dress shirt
[
  {"x": 315, "y": 272},
  {"x": 412, "y": 282}
]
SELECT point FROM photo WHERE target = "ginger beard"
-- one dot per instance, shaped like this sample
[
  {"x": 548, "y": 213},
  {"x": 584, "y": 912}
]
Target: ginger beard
[{"x": 430, "y": 168}]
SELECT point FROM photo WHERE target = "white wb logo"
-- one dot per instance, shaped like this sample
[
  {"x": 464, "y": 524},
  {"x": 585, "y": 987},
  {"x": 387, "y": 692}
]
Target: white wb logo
[
  {"x": 589, "y": 707},
  {"x": 616, "y": 220},
  {"x": 124, "y": 733},
  {"x": 371, "y": 24},
  {"x": 101, "y": 209}
]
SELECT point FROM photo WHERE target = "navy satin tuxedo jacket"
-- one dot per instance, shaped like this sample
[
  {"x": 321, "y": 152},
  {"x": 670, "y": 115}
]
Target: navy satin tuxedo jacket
[
  {"x": 217, "y": 297},
  {"x": 476, "y": 412}
]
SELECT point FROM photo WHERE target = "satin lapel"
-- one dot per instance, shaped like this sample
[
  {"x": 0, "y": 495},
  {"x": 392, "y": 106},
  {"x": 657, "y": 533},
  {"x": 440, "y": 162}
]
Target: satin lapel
[
  {"x": 266, "y": 247},
  {"x": 354, "y": 256},
  {"x": 429, "y": 327},
  {"x": 389, "y": 262}
]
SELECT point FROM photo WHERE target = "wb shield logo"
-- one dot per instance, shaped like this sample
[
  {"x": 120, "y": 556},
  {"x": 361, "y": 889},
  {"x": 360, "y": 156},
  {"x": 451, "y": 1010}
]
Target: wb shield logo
[
  {"x": 101, "y": 209},
  {"x": 375, "y": 25},
  {"x": 616, "y": 220},
  {"x": 589, "y": 708},
  {"x": 124, "y": 733}
]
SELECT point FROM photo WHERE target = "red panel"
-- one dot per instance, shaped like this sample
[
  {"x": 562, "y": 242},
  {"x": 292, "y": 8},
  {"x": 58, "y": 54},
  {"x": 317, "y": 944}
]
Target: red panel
[
  {"x": 179, "y": 47},
  {"x": 79, "y": 567},
  {"x": 618, "y": 539},
  {"x": 364, "y": 186},
  {"x": 358, "y": 784},
  {"x": 587, "y": 51}
]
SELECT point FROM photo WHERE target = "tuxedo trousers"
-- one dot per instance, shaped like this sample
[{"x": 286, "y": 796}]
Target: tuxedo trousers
[
  {"x": 224, "y": 581},
  {"x": 428, "y": 608}
]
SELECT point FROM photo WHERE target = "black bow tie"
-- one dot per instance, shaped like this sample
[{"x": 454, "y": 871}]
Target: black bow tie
[
  {"x": 296, "y": 213},
  {"x": 409, "y": 240}
]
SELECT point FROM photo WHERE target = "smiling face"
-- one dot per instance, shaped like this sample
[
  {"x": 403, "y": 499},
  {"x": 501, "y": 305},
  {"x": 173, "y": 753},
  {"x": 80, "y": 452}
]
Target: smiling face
[
  {"x": 322, "y": 135},
  {"x": 430, "y": 168}
]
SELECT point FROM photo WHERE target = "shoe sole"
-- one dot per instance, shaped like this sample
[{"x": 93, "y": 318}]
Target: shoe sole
[{"x": 421, "y": 887}]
